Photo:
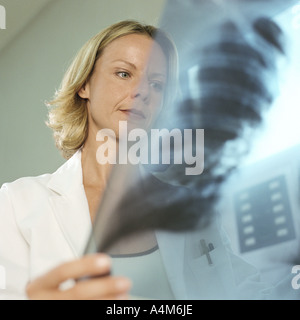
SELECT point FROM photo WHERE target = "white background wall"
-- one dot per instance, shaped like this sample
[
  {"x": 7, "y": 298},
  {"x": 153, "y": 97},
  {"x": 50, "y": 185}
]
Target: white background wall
[{"x": 32, "y": 66}]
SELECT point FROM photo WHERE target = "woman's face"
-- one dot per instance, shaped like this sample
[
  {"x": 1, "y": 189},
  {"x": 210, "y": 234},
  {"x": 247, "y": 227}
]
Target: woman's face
[{"x": 127, "y": 84}]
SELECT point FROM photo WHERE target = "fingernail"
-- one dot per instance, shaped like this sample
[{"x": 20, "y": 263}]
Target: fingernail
[
  {"x": 103, "y": 262},
  {"x": 123, "y": 284}
]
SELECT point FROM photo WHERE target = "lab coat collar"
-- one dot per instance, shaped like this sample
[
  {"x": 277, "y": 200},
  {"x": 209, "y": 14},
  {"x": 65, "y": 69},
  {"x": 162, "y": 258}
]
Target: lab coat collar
[
  {"x": 69, "y": 203},
  {"x": 68, "y": 176}
]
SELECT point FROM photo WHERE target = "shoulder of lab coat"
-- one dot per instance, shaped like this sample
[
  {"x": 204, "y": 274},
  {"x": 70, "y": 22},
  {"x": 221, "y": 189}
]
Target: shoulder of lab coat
[
  {"x": 44, "y": 221},
  {"x": 13, "y": 251}
]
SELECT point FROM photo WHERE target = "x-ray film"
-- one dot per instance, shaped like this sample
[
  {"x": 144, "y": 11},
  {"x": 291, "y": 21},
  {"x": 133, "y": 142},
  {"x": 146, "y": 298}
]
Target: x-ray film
[
  {"x": 227, "y": 71},
  {"x": 229, "y": 54}
]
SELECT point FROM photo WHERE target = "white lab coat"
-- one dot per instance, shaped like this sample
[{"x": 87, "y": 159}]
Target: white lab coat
[{"x": 45, "y": 221}]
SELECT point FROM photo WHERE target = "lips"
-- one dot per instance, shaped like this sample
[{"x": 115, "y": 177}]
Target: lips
[{"x": 134, "y": 113}]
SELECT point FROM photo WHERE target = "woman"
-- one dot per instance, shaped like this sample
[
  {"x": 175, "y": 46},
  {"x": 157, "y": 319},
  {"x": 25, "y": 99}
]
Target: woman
[
  {"x": 122, "y": 74},
  {"x": 109, "y": 76}
]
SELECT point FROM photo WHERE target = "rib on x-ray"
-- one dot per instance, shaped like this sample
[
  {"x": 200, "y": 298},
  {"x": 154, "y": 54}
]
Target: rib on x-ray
[{"x": 227, "y": 75}]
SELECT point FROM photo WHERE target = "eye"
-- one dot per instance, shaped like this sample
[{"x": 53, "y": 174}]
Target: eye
[
  {"x": 123, "y": 74},
  {"x": 157, "y": 85}
]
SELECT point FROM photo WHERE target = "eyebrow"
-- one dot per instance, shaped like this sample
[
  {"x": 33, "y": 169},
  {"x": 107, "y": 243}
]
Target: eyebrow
[
  {"x": 127, "y": 62},
  {"x": 156, "y": 74}
]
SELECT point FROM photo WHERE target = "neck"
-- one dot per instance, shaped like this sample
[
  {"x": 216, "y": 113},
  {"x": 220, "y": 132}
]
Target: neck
[{"x": 94, "y": 174}]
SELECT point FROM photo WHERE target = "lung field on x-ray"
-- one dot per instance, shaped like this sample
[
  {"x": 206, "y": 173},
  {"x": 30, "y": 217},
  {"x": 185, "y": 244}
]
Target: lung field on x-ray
[{"x": 232, "y": 73}]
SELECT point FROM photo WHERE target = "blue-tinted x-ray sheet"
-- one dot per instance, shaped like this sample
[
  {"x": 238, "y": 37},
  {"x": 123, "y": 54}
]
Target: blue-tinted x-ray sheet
[{"x": 230, "y": 55}]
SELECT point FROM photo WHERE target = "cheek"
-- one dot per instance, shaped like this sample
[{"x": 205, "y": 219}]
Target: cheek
[
  {"x": 100, "y": 100},
  {"x": 157, "y": 102},
  {"x": 108, "y": 95}
]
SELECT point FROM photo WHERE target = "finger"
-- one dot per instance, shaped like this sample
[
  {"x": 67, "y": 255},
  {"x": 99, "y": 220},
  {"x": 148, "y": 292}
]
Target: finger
[
  {"x": 89, "y": 265},
  {"x": 125, "y": 296},
  {"x": 99, "y": 288}
]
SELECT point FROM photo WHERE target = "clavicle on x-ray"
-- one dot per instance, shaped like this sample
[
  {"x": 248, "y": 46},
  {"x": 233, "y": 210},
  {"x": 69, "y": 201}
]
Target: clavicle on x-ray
[{"x": 234, "y": 61}]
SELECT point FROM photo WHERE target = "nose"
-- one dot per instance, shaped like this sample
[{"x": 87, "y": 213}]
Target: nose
[{"x": 142, "y": 91}]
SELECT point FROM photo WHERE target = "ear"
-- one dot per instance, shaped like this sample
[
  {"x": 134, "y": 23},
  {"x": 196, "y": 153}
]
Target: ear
[{"x": 84, "y": 92}]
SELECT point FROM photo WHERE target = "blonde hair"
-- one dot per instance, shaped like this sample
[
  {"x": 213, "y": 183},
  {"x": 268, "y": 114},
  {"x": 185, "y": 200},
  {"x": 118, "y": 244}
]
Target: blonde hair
[{"x": 69, "y": 117}]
